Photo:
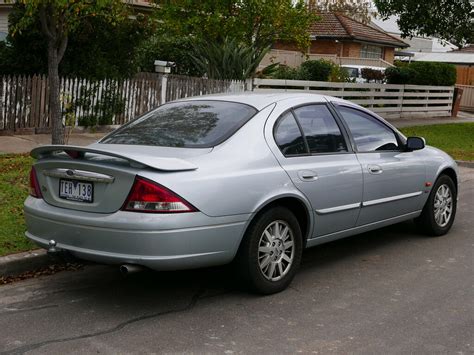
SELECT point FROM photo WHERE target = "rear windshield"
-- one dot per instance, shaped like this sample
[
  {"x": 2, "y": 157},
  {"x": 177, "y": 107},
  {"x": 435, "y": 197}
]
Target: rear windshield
[{"x": 190, "y": 124}]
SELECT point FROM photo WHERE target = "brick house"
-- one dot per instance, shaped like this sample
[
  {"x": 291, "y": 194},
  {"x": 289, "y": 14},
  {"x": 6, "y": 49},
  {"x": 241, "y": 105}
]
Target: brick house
[{"x": 340, "y": 36}]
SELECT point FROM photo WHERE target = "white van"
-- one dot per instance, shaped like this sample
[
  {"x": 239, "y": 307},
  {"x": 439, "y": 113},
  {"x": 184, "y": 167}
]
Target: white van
[{"x": 355, "y": 71}]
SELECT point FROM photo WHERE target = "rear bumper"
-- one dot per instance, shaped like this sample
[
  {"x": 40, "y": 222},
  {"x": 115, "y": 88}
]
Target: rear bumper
[{"x": 157, "y": 241}]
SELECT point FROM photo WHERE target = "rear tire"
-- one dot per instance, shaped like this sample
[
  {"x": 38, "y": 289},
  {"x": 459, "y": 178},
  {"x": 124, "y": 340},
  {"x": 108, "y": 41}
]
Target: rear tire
[
  {"x": 439, "y": 212},
  {"x": 271, "y": 250}
]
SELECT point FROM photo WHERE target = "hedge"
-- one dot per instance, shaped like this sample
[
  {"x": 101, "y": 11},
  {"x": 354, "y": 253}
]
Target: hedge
[
  {"x": 313, "y": 70},
  {"x": 422, "y": 73},
  {"x": 316, "y": 70}
]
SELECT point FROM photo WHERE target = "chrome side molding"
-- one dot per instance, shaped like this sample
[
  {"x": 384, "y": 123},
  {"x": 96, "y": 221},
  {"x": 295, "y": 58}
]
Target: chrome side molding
[
  {"x": 367, "y": 203},
  {"x": 338, "y": 208},
  {"x": 81, "y": 175},
  {"x": 390, "y": 199}
]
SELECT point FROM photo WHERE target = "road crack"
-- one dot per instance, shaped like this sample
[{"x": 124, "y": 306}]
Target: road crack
[{"x": 190, "y": 305}]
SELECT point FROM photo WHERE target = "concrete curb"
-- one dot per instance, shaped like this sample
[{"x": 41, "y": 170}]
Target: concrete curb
[
  {"x": 466, "y": 164},
  {"x": 15, "y": 264}
]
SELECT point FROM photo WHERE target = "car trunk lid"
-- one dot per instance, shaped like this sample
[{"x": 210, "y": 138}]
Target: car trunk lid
[
  {"x": 134, "y": 158},
  {"x": 99, "y": 178}
]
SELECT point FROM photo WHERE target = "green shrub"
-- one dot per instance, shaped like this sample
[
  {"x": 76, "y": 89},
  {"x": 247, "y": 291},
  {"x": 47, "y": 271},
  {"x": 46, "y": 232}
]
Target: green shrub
[
  {"x": 98, "y": 49},
  {"x": 303, "y": 73},
  {"x": 399, "y": 63},
  {"x": 316, "y": 70},
  {"x": 87, "y": 121},
  {"x": 313, "y": 70},
  {"x": 169, "y": 48},
  {"x": 103, "y": 111},
  {"x": 400, "y": 75},
  {"x": 422, "y": 73},
  {"x": 285, "y": 72},
  {"x": 431, "y": 73},
  {"x": 339, "y": 74},
  {"x": 393, "y": 75}
]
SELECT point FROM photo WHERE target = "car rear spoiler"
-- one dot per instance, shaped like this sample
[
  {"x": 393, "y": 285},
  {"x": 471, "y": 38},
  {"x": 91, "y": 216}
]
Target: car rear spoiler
[{"x": 135, "y": 160}]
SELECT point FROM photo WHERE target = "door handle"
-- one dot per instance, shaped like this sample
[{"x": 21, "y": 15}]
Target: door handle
[
  {"x": 375, "y": 169},
  {"x": 307, "y": 175}
]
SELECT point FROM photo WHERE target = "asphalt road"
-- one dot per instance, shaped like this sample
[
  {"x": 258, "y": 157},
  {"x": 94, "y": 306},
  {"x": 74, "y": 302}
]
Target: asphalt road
[{"x": 390, "y": 291}]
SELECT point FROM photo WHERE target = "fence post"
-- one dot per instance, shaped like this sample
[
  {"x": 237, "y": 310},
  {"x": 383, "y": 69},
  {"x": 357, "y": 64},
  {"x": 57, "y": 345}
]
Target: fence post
[
  {"x": 402, "y": 97},
  {"x": 2, "y": 124},
  {"x": 249, "y": 85},
  {"x": 164, "y": 84}
]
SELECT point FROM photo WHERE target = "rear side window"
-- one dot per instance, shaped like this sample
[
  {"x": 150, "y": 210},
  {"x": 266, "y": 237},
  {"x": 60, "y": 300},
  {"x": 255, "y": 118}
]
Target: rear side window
[
  {"x": 288, "y": 136},
  {"x": 369, "y": 134},
  {"x": 320, "y": 129},
  {"x": 189, "y": 124}
]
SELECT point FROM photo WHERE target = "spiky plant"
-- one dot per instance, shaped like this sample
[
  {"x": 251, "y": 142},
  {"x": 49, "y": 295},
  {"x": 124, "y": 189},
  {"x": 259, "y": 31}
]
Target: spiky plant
[{"x": 229, "y": 60}]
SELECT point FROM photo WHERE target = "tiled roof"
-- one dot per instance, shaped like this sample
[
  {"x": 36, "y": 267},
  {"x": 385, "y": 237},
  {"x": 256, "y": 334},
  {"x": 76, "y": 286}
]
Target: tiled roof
[{"x": 337, "y": 26}]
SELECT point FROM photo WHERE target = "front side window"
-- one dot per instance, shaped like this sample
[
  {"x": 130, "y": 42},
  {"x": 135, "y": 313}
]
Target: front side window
[
  {"x": 189, "y": 124},
  {"x": 320, "y": 129},
  {"x": 369, "y": 134}
]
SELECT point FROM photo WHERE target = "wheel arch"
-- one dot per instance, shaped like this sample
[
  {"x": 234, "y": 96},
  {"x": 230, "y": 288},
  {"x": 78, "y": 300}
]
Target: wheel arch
[
  {"x": 299, "y": 206},
  {"x": 449, "y": 171}
]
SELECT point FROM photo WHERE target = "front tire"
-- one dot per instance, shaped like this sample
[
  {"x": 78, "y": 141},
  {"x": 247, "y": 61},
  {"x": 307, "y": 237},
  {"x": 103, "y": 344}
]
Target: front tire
[
  {"x": 271, "y": 251},
  {"x": 439, "y": 212}
]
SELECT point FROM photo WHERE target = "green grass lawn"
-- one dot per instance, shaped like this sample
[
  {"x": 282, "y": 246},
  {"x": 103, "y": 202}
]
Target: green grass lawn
[
  {"x": 14, "y": 180},
  {"x": 456, "y": 139}
]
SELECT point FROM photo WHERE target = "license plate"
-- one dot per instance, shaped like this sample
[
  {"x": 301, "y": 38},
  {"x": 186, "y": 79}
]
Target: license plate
[{"x": 74, "y": 190}]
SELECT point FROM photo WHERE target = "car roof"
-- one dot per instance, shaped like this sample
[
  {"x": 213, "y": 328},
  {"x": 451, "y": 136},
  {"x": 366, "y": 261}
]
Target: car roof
[{"x": 261, "y": 100}]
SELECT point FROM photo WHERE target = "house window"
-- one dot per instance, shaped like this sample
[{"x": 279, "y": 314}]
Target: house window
[
  {"x": 3, "y": 36},
  {"x": 367, "y": 51}
]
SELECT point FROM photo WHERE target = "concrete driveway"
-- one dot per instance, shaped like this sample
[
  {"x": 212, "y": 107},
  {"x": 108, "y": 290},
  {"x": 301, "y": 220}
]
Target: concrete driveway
[
  {"x": 390, "y": 291},
  {"x": 21, "y": 144}
]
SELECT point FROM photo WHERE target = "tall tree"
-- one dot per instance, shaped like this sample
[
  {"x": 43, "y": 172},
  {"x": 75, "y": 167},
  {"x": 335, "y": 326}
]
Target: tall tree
[
  {"x": 97, "y": 50},
  {"x": 360, "y": 10},
  {"x": 255, "y": 23},
  {"x": 60, "y": 18},
  {"x": 450, "y": 20}
]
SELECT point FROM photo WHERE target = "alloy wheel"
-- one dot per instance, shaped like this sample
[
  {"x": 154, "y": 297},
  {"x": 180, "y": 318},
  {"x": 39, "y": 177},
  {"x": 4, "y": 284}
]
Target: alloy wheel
[
  {"x": 443, "y": 205},
  {"x": 276, "y": 250}
]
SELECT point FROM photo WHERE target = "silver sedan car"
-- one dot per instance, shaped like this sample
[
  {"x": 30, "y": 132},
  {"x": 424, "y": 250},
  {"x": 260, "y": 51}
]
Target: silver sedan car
[{"x": 251, "y": 179}]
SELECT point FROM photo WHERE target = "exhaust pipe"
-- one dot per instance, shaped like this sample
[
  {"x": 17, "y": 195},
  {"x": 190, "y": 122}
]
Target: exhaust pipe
[
  {"x": 52, "y": 247},
  {"x": 126, "y": 269}
]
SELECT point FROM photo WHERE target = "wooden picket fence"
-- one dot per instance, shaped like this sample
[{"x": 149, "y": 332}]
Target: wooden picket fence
[
  {"x": 389, "y": 101},
  {"x": 467, "y": 100},
  {"x": 24, "y": 104}
]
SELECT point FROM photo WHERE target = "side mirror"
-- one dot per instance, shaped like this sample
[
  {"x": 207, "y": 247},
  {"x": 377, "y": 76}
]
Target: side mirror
[{"x": 415, "y": 143}]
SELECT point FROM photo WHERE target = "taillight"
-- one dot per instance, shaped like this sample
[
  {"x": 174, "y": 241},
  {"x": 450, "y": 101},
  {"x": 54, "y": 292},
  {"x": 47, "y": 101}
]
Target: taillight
[
  {"x": 148, "y": 196},
  {"x": 35, "y": 190}
]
